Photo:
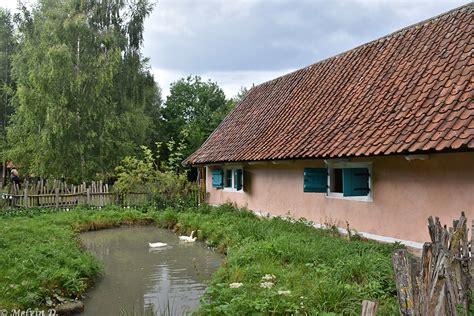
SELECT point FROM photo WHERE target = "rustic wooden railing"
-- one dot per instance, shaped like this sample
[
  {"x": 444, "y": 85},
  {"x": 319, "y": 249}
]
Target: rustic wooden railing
[
  {"x": 441, "y": 283},
  {"x": 57, "y": 194}
]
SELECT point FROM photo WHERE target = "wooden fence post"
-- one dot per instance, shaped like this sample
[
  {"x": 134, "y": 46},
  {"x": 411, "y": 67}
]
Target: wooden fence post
[
  {"x": 25, "y": 195},
  {"x": 56, "y": 196},
  {"x": 404, "y": 282},
  {"x": 472, "y": 252},
  {"x": 101, "y": 196},
  {"x": 199, "y": 183},
  {"x": 369, "y": 308},
  {"x": 443, "y": 284},
  {"x": 88, "y": 196}
]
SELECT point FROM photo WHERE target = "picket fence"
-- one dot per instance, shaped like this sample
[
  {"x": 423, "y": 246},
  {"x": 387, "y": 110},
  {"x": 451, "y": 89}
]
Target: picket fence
[{"x": 58, "y": 194}]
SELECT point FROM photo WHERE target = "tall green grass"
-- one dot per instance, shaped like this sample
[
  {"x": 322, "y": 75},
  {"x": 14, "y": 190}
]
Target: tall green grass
[
  {"x": 324, "y": 273},
  {"x": 41, "y": 259},
  {"x": 42, "y": 262}
]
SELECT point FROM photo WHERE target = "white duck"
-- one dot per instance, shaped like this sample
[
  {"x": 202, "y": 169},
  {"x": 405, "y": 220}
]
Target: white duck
[
  {"x": 157, "y": 244},
  {"x": 188, "y": 238}
]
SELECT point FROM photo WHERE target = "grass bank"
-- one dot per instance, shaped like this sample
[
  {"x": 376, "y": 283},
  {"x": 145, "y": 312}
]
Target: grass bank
[
  {"x": 272, "y": 265},
  {"x": 41, "y": 260}
]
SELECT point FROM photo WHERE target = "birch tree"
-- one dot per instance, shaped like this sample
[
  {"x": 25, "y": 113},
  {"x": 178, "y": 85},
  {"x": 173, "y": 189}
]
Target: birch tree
[
  {"x": 7, "y": 86},
  {"x": 83, "y": 87}
]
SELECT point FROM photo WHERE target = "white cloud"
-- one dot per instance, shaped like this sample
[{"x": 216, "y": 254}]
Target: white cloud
[
  {"x": 230, "y": 81},
  {"x": 240, "y": 42}
]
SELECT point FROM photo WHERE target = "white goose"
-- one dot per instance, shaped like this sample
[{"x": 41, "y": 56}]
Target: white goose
[
  {"x": 188, "y": 238},
  {"x": 157, "y": 244}
]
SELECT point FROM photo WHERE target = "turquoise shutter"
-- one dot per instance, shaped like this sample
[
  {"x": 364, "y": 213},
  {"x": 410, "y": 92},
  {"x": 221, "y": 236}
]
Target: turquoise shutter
[
  {"x": 315, "y": 180},
  {"x": 238, "y": 179},
  {"x": 217, "y": 178},
  {"x": 355, "y": 181}
]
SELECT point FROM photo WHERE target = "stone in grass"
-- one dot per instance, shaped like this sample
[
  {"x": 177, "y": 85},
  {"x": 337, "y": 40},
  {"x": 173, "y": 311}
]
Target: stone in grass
[{"x": 70, "y": 308}]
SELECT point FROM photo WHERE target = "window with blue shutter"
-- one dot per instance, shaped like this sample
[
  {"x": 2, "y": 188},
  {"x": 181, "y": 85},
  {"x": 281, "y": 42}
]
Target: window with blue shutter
[
  {"x": 217, "y": 178},
  {"x": 355, "y": 181},
  {"x": 315, "y": 180},
  {"x": 232, "y": 179},
  {"x": 351, "y": 180}
]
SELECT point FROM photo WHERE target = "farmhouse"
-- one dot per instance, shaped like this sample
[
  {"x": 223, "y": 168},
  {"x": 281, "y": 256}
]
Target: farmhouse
[{"x": 380, "y": 137}]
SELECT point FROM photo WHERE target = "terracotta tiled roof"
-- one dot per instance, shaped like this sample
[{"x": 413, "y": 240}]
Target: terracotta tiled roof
[{"x": 409, "y": 92}]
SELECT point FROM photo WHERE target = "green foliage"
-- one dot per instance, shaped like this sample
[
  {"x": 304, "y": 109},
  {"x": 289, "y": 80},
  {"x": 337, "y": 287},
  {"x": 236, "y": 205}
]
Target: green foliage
[
  {"x": 195, "y": 106},
  {"x": 83, "y": 87},
  {"x": 136, "y": 175},
  {"x": 3, "y": 205},
  {"x": 324, "y": 273},
  {"x": 176, "y": 153},
  {"x": 27, "y": 212},
  {"x": 320, "y": 274},
  {"x": 77, "y": 96},
  {"x": 41, "y": 262},
  {"x": 167, "y": 186},
  {"x": 174, "y": 190},
  {"x": 7, "y": 86},
  {"x": 153, "y": 111}
]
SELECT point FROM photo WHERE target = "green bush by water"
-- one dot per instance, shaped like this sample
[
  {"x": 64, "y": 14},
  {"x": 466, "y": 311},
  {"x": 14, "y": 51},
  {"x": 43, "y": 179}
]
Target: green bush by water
[{"x": 311, "y": 271}]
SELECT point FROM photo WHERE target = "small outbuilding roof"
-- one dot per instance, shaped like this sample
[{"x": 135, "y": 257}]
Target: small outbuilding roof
[{"x": 409, "y": 92}]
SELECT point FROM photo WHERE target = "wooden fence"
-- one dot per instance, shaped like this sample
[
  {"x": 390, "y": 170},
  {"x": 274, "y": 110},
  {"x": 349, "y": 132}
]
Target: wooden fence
[
  {"x": 57, "y": 194},
  {"x": 442, "y": 281}
]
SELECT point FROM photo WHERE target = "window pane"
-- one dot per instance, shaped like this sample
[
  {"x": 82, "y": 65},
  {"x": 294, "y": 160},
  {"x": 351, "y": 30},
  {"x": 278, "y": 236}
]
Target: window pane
[
  {"x": 228, "y": 179},
  {"x": 336, "y": 180},
  {"x": 238, "y": 179}
]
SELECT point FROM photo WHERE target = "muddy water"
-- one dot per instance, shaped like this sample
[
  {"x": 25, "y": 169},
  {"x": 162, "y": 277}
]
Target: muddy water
[{"x": 141, "y": 280}]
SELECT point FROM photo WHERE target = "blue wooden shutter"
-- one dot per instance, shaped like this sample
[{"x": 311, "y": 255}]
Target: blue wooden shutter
[
  {"x": 217, "y": 178},
  {"x": 238, "y": 179},
  {"x": 355, "y": 181},
  {"x": 315, "y": 180}
]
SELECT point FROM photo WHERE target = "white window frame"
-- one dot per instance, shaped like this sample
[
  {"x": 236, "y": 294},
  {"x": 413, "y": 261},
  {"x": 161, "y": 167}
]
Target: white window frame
[
  {"x": 348, "y": 165},
  {"x": 232, "y": 171}
]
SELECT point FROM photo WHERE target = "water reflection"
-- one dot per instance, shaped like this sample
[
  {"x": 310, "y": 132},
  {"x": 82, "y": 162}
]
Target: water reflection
[{"x": 140, "y": 279}]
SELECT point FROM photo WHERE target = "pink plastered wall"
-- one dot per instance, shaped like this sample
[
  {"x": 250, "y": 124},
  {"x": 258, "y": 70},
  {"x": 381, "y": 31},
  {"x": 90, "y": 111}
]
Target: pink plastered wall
[{"x": 404, "y": 192}]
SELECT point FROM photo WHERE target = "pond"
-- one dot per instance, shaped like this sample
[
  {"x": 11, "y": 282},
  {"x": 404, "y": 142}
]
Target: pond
[{"x": 141, "y": 280}]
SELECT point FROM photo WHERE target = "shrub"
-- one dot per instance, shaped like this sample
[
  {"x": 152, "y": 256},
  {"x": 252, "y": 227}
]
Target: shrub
[
  {"x": 166, "y": 186},
  {"x": 173, "y": 190}
]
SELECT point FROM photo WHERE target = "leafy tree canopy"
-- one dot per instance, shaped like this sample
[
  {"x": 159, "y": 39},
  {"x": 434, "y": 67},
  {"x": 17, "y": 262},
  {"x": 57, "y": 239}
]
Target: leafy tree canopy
[
  {"x": 83, "y": 87},
  {"x": 77, "y": 96},
  {"x": 196, "y": 107},
  {"x": 7, "y": 86}
]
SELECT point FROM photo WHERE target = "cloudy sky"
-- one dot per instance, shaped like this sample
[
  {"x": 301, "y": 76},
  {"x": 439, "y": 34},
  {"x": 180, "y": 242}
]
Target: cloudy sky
[{"x": 243, "y": 42}]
